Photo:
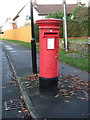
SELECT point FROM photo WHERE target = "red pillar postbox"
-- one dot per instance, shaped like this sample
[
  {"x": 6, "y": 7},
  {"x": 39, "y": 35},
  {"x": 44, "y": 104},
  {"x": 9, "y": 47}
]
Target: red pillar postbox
[{"x": 49, "y": 49}]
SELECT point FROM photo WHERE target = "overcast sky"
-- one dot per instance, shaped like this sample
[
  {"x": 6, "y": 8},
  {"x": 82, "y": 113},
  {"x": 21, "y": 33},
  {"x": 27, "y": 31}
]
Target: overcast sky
[{"x": 9, "y": 8}]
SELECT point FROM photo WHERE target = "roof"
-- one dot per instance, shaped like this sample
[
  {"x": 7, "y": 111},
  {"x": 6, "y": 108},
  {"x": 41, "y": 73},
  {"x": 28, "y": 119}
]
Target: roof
[{"x": 52, "y": 8}]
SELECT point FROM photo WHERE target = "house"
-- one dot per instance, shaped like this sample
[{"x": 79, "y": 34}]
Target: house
[
  {"x": 9, "y": 25},
  {"x": 45, "y": 9},
  {"x": 22, "y": 18},
  {"x": 88, "y": 4}
]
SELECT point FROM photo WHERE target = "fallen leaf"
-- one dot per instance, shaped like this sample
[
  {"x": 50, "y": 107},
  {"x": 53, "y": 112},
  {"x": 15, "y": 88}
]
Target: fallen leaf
[
  {"x": 22, "y": 82},
  {"x": 72, "y": 93},
  {"x": 63, "y": 90},
  {"x": 25, "y": 110},
  {"x": 62, "y": 86},
  {"x": 88, "y": 90},
  {"x": 78, "y": 79},
  {"x": 22, "y": 98},
  {"x": 30, "y": 87},
  {"x": 65, "y": 81},
  {"x": 64, "y": 94},
  {"x": 2, "y": 87},
  {"x": 72, "y": 75},
  {"x": 67, "y": 101},
  {"x": 60, "y": 75},
  {"x": 32, "y": 77},
  {"x": 27, "y": 85},
  {"x": 82, "y": 98},
  {"x": 84, "y": 84},
  {"x": 57, "y": 95},
  {"x": 70, "y": 86},
  {"x": 11, "y": 101},
  {"x": 86, "y": 94},
  {"x": 12, "y": 83},
  {"x": 20, "y": 111},
  {"x": 68, "y": 96},
  {"x": 79, "y": 88},
  {"x": 69, "y": 77},
  {"x": 27, "y": 82}
]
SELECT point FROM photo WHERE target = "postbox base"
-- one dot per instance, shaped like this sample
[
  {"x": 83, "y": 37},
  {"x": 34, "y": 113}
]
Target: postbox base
[{"x": 48, "y": 86}]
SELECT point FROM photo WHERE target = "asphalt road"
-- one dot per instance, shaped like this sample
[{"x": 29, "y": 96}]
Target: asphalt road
[{"x": 8, "y": 91}]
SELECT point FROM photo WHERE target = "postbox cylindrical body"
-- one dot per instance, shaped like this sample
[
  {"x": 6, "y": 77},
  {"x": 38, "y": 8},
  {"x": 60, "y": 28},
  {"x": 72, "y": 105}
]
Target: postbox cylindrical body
[{"x": 49, "y": 50}]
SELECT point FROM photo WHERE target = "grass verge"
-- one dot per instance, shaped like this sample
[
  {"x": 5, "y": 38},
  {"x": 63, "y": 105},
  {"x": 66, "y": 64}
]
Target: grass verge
[
  {"x": 79, "y": 62},
  {"x": 26, "y": 44}
]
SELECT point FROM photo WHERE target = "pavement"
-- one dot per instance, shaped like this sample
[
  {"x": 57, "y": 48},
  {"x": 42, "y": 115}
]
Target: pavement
[{"x": 51, "y": 107}]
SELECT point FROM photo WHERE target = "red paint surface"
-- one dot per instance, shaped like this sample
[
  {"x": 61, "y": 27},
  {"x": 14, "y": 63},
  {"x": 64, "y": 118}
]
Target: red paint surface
[{"x": 49, "y": 28}]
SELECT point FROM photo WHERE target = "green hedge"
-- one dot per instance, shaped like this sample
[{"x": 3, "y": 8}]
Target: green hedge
[
  {"x": 36, "y": 29},
  {"x": 74, "y": 28},
  {"x": 77, "y": 28}
]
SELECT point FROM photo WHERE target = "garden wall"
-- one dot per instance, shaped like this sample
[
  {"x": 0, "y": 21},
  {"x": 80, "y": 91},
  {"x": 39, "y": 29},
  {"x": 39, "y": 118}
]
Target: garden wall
[
  {"x": 20, "y": 34},
  {"x": 76, "y": 46}
]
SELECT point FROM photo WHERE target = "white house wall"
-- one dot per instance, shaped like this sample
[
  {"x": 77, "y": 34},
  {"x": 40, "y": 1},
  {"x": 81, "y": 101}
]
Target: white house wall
[
  {"x": 21, "y": 20},
  {"x": 22, "y": 16},
  {"x": 7, "y": 25}
]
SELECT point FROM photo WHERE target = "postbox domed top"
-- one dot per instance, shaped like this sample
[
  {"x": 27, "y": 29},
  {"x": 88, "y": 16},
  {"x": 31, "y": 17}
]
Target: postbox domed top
[{"x": 49, "y": 21}]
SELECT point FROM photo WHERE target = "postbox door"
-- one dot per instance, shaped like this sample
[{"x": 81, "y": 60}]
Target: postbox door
[
  {"x": 49, "y": 65},
  {"x": 52, "y": 56}
]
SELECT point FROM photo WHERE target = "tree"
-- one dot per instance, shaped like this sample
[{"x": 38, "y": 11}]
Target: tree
[
  {"x": 36, "y": 29},
  {"x": 80, "y": 13},
  {"x": 57, "y": 15}
]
